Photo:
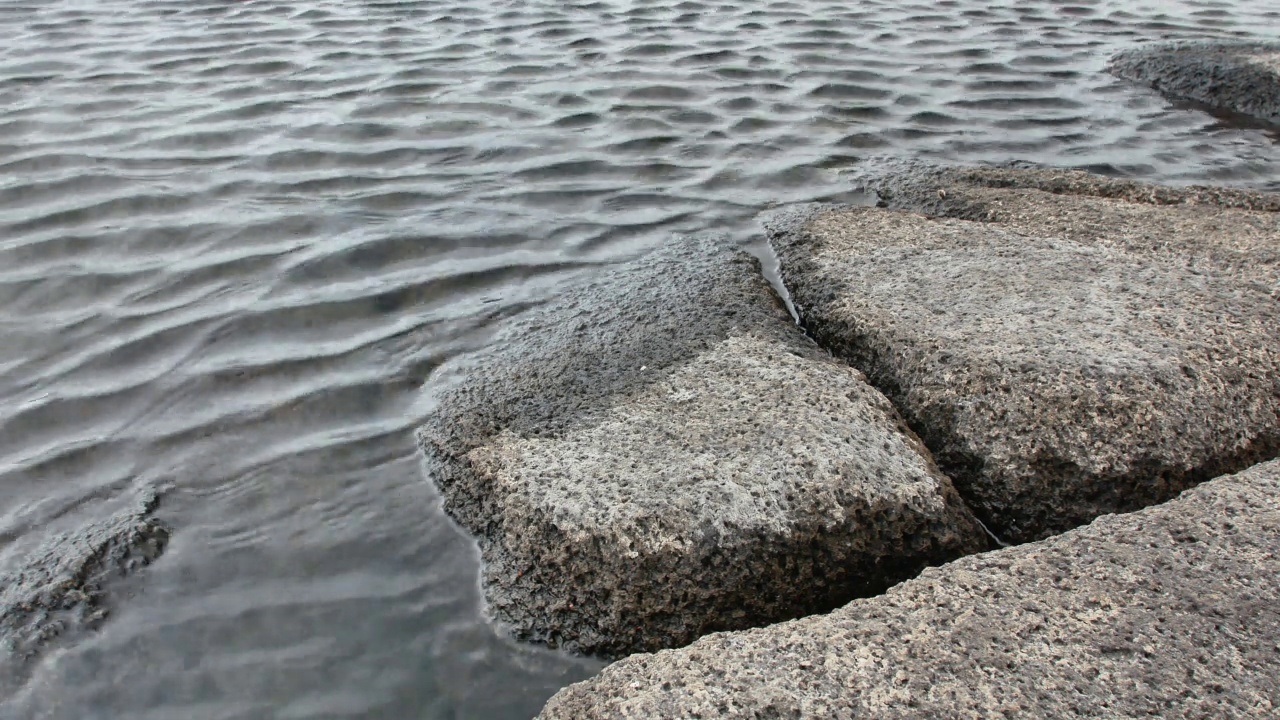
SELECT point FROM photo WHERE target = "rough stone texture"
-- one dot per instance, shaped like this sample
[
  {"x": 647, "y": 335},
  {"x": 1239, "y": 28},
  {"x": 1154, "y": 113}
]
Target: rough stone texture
[
  {"x": 1242, "y": 77},
  {"x": 662, "y": 453},
  {"x": 1168, "y": 612},
  {"x": 64, "y": 584},
  {"x": 1074, "y": 346}
]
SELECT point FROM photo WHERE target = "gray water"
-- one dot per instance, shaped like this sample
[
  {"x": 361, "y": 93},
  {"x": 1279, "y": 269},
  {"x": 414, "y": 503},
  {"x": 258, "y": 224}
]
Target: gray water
[{"x": 237, "y": 237}]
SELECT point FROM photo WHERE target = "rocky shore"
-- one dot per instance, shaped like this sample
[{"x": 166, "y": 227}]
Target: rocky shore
[
  {"x": 1067, "y": 345},
  {"x": 662, "y": 454},
  {"x": 1167, "y": 612},
  {"x": 1242, "y": 77}
]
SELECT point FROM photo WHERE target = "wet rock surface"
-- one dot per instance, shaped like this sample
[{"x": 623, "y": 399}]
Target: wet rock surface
[
  {"x": 1067, "y": 345},
  {"x": 662, "y": 453},
  {"x": 65, "y": 584},
  {"x": 1166, "y": 612},
  {"x": 1242, "y": 77}
]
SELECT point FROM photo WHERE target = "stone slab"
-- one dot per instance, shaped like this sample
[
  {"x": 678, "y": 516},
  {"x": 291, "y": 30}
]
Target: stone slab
[
  {"x": 1168, "y": 612},
  {"x": 661, "y": 453},
  {"x": 1066, "y": 344},
  {"x": 1241, "y": 76}
]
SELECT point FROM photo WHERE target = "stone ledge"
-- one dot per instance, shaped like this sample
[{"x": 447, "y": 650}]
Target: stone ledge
[
  {"x": 1166, "y": 612},
  {"x": 1067, "y": 345},
  {"x": 662, "y": 453},
  {"x": 1239, "y": 76}
]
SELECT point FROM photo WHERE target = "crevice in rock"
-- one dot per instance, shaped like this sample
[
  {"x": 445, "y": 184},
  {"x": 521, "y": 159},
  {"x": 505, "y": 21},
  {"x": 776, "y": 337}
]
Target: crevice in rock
[{"x": 1035, "y": 218}]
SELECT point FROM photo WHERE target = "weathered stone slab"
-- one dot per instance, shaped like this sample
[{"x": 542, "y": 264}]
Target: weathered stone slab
[
  {"x": 661, "y": 453},
  {"x": 1243, "y": 77},
  {"x": 1074, "y": 346},
  {"x": 1167, "y": 612}
]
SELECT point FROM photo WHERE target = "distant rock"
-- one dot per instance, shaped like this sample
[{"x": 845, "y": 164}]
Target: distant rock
[
  {"x": 661, "y": 453},
  {"x": 65, "y": 584},
  {"x": 1067, "y": 345},
  {"x": 1240, "y": 76},
  {"x": 1168, "y": 612}
]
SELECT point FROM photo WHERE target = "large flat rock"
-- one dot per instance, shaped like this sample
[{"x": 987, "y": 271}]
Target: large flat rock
[
  {"x": 1168, "y": 612},
  {"x": 661, "y": 453},
  {"x": 1067, "y": 345},
  {"x": 1240, "y": 76}
]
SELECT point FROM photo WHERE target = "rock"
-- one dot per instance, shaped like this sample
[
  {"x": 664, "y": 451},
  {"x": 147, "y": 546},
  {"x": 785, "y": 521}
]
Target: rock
[
  {"x": 661, "y": 453},
  {"x": 64, "y": 584},
  {"x": 1067, "y": 345},
  {"x": 1167, "y": 612},
  {"x": 1240, "y": 76}
]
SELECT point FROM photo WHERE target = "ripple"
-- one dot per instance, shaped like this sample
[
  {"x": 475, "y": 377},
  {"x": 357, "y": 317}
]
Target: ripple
[
  {"x": 841, "y": 91},
  {"x": 237, "y": 238}
]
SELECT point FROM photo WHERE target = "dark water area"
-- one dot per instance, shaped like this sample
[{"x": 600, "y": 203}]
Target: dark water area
[{"x": 238, "y": 237}]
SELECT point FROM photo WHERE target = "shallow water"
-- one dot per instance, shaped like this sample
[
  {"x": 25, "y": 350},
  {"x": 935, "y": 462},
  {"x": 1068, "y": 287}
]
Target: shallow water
[{"x": 237, "y": 237}]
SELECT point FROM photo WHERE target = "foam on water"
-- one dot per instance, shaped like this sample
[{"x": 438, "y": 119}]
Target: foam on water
[{"x": 236, "y": 238}]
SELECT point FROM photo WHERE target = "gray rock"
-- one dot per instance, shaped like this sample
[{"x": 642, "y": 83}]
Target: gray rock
[
  {"x": 1240, "y": 76},
  {"x": 661, "y": 453},
  {"x": 1075, "y": 345},
  {"x": 1168, "y": 612},
  {"x": 64, "y": 585}
]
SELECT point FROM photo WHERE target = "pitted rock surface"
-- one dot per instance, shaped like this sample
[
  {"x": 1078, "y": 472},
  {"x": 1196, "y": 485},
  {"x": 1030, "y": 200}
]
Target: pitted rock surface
[
  {"x": 1241, "y": 76},
  {"x": 1167, "y": 612},
  {"x": 65, "y": 584},
  {"x": 1075, "y": 345},
  {"x": 662, "y": 453}
]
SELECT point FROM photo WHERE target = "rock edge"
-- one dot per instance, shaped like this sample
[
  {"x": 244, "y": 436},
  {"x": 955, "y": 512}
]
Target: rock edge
[
  {"x": 65, "y": 583},
  {"x": 1241, "y": 76},
  {"x": 1166, "y": 612},
  {"x": 1066, "y": 344},
  {"x": 661, "y": 453}
]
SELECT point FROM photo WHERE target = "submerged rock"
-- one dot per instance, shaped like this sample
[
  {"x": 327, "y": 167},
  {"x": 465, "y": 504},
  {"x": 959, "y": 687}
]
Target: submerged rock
[
  {"x": 64, "y": 584},
  {"x": 1241, "y": 76},
  {"x": 662, "y": 453},
  {"x": 1168, "y": 612},
  {"x": 1067, "y": 345}
]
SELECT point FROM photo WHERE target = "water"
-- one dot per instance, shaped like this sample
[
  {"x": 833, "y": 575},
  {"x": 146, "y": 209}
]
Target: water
[{"x": 237, "y": 237}]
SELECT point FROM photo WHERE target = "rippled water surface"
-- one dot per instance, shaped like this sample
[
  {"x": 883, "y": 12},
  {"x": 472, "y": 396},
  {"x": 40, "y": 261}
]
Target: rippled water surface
[{"x": 237, "y": 237}]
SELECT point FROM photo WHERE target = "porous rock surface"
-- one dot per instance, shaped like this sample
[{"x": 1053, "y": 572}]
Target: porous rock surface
[
  {"x": 1067, "y": 345},
  {"x": 1167, "y": 612},
  {"x": 1241, "y": 76},
  {"x": 65, "y": 583},
  {"x": 661, "y": 453}
]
